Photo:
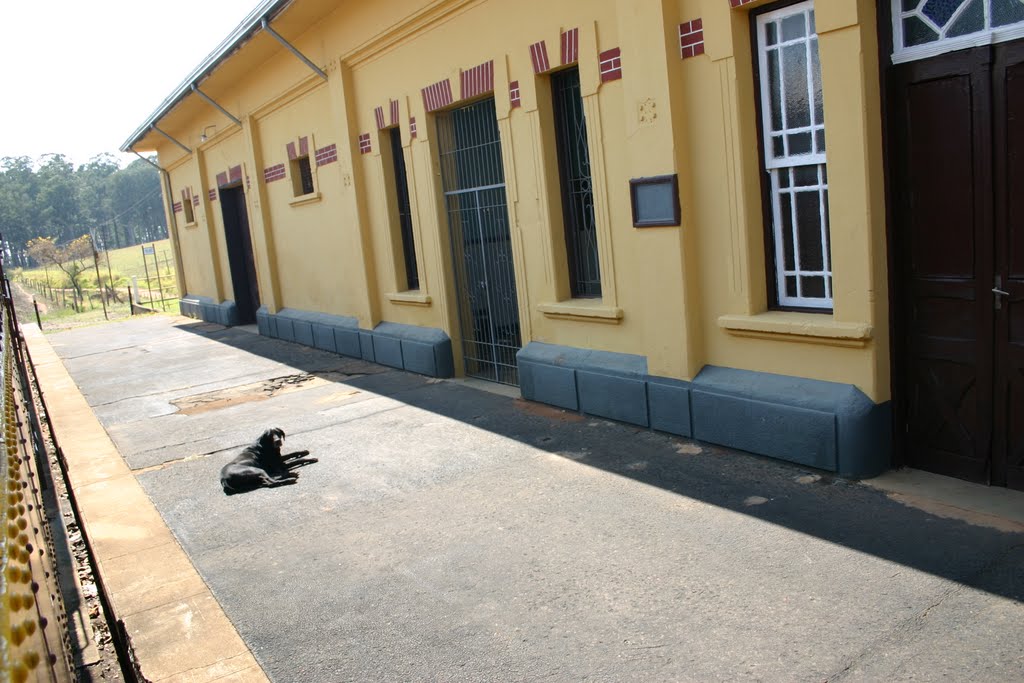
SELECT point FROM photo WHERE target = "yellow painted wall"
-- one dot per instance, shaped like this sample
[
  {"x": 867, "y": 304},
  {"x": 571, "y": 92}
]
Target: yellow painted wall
[{"x": 682, "y": 296}]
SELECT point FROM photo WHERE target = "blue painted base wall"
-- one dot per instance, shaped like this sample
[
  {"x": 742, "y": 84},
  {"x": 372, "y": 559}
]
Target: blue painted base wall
[
  {"x": 826, "y": 425},
  {"x": 422, "y": 350}
]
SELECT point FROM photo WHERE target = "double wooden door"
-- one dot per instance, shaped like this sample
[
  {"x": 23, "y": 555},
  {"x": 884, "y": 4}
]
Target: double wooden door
[{"x": 957, "y": 128}]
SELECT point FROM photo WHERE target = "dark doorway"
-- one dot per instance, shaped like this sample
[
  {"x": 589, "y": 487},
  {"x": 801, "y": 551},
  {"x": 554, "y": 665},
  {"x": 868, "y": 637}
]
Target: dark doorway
[
  {"x": 957, "y": 154},
  {"x": 240, "y": 258},
  {"x": 474, "y": 188}
]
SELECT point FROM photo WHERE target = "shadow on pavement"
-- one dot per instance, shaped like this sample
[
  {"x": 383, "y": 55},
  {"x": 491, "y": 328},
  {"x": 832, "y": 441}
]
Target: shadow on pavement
[{"x": 794, "y": 497}]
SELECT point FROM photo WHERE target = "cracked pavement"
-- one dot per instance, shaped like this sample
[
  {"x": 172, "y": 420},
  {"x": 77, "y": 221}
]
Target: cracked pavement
[{"x": 451, "y": 534}]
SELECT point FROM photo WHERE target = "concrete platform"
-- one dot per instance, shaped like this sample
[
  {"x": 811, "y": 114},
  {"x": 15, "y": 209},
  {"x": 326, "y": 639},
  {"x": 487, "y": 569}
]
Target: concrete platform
[{"x": 454, "y": 534}]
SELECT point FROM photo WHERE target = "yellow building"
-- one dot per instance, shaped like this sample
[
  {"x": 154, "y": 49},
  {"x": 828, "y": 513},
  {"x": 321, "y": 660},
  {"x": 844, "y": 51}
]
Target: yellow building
[{"x": 769, "y": 225}]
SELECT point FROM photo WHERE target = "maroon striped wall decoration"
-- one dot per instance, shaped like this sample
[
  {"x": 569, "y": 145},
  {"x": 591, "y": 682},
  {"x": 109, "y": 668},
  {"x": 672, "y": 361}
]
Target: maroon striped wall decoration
[
  {"x": 437, "y": 95},
  {"x": 364, "y": 143},
  {"x": 412, "y": 126},
  {"x": 393, "y": 105},
  {"x": 478, "y": 80},
  {"x": 513, "y": 94},
  {"x": 195, "y": 200},
  {"x": 273, "y": 173},
  {"x": 222, "y": 179},
  {"x": 212, "y": 195},
  {"x": 611, "y": 65},
  {"x": 293, "y": 153},
  {"x": 539, "y": 57},
  {"x": 177, "y": 207},
  {"x": 326, "y": 155},
  {"x": 691, "y": 38},
  {"x": 235, "y": 174},
  {"x": 570, "y": 46},
  {"x": 303, "y": 147},
  {"x": 378, "y": 113}
]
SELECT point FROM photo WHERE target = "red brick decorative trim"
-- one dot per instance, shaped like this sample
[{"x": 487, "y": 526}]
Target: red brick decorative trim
[
  {"x": 611, "y": 65},
  {"x": 303, "y": 147},
  {"x": 437, "y": 95},
  {"x": 513, "y": 94},
  {"x": 378, "y": 114},
  {"x": 364, "y": 143},
  {"x": 222, "y": 179},
  {"x": 691, "y": 38},
  {"x": 293, "y": 154},
  {"x": 412, "y": 126},
  {"x": 393, "y": 105},
  {"x": 477, "y": 81},
  {"x": 273, "y": 173},
  {"x": 539, "y": 57},
  {"x": 570, "y": 46},
  {"x": 326, "y": 155},
  {"x": 739, "y": 3},
  {"x": 235, "y": 174},
  {"x": 195, "y": 200},
  {"x": 212, "y": 195},
  {"x": 177, "y": 207}
]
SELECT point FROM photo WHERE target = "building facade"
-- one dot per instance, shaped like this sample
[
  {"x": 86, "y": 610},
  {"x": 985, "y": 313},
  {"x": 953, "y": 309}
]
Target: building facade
[{"x": 777, "y": 226}]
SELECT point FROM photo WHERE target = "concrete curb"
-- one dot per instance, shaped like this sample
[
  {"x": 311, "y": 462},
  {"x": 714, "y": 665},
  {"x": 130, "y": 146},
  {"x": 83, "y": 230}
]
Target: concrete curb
[{"x": 178, "y": 631}]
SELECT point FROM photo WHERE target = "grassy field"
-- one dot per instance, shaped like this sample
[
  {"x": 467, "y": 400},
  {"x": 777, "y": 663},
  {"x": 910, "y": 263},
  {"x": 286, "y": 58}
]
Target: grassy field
[{"x": 153, "y": 274}]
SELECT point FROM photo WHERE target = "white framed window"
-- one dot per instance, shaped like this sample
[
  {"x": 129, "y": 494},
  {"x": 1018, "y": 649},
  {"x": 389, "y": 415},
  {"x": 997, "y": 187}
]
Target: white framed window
[
  {"x": 926, "y": 28},
  {"x": 793, "y": 130}
]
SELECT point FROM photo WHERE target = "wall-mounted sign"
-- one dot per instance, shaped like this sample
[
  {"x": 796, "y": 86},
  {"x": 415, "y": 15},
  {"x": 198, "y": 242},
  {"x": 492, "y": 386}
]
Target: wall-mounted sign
[{"x": 655, "y": 201}]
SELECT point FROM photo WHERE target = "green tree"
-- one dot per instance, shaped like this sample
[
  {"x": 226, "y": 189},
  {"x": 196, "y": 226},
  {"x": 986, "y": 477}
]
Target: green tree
[
  {"x": 18, "y": 207},
  {"x": 72, "y": 257}
]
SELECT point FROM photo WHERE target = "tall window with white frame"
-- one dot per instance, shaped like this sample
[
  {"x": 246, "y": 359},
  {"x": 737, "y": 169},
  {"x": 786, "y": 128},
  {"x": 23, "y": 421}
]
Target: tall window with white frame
[
  {"x": 577, "y": 187},
  {"x": 793, "y": 133}
]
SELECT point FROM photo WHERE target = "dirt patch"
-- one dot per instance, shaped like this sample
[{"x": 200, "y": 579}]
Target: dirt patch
[
  {"x": 940, "y": 509},
  {"x": 257, "y": 391},
  {"x": 543, "y": 410}
]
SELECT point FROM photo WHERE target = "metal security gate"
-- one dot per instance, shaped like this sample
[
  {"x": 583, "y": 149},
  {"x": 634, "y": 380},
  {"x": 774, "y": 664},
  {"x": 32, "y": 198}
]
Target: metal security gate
[{"x": 474, "y": 191}]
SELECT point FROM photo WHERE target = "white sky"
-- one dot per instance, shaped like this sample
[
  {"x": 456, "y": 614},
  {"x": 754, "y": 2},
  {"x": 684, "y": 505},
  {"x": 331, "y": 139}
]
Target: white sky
[{"x": 78, "y": 77}]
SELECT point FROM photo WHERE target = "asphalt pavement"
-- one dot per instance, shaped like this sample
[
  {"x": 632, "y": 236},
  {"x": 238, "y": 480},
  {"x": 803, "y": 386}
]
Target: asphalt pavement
[{"x": 454, "y": 534}]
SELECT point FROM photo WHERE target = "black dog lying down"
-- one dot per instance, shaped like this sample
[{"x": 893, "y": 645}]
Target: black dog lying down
[{"x": 263, "y": 465}]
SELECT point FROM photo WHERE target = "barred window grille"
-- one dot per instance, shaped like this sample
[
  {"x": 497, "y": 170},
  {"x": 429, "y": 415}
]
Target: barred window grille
[
  {"x": 793, "y": 125},
  {"x": 576, "y": 184}
]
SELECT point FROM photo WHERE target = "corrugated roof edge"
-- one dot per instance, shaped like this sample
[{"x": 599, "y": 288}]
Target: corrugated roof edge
[{"x": 268, "y": 9}]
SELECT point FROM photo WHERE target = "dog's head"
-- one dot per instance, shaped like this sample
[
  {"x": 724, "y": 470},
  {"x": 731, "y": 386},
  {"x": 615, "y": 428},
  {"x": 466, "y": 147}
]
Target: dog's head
[{"x": 272, "y": 439}]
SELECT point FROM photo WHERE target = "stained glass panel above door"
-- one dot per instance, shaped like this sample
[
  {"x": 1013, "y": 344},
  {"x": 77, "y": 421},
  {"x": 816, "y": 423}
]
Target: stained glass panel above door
[{"x": 926, "y": 28}]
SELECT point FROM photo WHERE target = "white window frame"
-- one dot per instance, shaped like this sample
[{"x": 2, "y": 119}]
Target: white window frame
[
  {"x": 786, "y": 163},
  {"x": 987, "y": 36}
]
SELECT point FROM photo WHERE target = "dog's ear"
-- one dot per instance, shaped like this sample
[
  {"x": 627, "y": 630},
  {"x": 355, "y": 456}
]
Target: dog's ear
[
  {"x": 267, "y": 437},
  {"x": 280, "y": 432}
]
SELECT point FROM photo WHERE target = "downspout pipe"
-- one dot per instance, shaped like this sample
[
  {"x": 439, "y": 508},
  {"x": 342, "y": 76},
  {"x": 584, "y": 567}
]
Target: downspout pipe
[{"x": 172, "y": 229}]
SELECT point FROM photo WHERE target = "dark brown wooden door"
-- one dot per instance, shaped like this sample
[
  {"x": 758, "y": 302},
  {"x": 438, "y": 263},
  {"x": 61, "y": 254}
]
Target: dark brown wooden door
[
  {"x": 957, "y": 235},
  {"x": 240, "y": 257},
  {"x": 1008, "y": 172}
]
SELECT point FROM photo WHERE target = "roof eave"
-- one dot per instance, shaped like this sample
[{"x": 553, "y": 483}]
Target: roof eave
[{"x": 267, "y": 9}]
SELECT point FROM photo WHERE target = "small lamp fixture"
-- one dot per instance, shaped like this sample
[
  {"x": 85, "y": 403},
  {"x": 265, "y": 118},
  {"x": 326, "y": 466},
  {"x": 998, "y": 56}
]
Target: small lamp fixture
[{"x": 204, "y": 137}]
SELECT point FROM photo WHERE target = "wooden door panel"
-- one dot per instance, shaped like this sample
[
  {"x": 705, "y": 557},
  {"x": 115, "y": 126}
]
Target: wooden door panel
[
  {"x": 1008, "y": 114},
  {"x": 941, "y": 144}
]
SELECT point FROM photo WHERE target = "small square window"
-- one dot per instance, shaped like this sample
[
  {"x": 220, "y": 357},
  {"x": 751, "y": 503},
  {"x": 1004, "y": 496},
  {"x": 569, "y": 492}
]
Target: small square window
[{"x": 302, "y": 176}]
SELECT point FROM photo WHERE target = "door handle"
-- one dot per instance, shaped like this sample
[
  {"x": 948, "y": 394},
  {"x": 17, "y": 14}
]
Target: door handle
[{"x": 996, "y": 290}]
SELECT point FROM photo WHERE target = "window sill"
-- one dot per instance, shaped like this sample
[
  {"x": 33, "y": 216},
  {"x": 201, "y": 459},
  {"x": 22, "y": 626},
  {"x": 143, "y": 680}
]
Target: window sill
[
  {"x": 193, "y": 224},
  {"x": 410, "y": 298},
  {"x": 310, "y": 198},
  {"x": 809, "y": 328},
  {"x": 584, "y": 310}
]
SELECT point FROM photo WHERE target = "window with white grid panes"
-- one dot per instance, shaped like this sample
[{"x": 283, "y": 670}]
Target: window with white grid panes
[
  {"x": 926, "y": 28},
  {"x": 793, "y": 126}
]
